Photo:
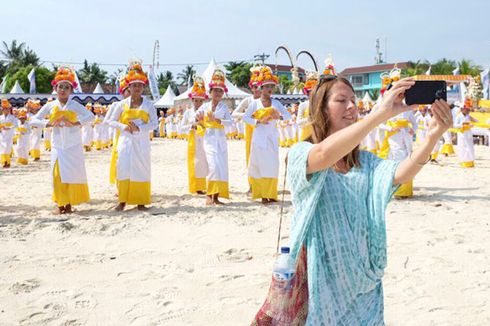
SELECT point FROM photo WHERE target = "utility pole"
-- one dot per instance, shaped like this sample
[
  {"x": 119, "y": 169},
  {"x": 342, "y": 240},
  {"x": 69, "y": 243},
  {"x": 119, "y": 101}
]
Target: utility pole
[
  {"x": 379, "y": 55},
  {"x": 261, "y": 57}
]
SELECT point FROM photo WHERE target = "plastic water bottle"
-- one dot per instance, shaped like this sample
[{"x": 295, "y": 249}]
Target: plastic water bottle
[{"x": 283, "y": 271}]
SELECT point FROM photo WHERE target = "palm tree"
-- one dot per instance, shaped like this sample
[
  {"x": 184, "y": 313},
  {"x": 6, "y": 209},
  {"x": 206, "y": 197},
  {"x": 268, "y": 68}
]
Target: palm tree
[
  {"x": 416, "y": 68},
  {"x": 19, "y": 56},
  {"x": 374, "y": 94},
  {"x": 466, "y": 67},
  {"x": 238, "y": 72},
  {"x": 165, "y": 80},
  {"x": 115, "y": 77},
  {"x": 186, "y": 75},
  {"x": 3, "y": 69},
  {"x": 92, "y": 74},
  {"x": 13, "y": 52},
  {"x": 29, "y": 57},
  {"x": 443, "y": 67}
]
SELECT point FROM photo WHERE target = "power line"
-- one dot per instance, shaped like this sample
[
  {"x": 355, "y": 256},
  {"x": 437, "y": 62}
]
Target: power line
[{"x": 125, "y": 64}]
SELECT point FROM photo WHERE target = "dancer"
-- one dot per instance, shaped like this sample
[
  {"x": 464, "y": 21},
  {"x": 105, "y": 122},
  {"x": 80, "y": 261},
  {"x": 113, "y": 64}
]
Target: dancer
[{"x": 66, "y": 117}]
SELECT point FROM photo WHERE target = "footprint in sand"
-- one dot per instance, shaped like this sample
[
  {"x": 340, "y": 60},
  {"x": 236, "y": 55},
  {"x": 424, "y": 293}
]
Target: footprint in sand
[
  {"x": 50, "y": 313},
  {"x": 235, "y": 255},
  {"x": 25, "y": 286},
  {"x": 66, "y": 227}
]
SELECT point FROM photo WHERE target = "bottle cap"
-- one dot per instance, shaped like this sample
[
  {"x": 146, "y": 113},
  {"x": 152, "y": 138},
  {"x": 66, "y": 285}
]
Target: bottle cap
[{"x": 284, "y": 250}]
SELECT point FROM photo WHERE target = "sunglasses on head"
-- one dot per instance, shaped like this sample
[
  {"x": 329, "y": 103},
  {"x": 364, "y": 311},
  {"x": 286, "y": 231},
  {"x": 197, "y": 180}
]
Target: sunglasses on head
[{"x": 326, "y": 78}]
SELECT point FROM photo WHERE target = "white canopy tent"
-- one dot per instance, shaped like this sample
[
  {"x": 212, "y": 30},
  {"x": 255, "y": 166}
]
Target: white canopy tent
[
  {"x": 233, "y": 91},
  {"x": 98, "y": 89},
  {"x": 367, "y": 99},
  {"x": 16, "y": 89},
  {"x": 167, "y": 100}
]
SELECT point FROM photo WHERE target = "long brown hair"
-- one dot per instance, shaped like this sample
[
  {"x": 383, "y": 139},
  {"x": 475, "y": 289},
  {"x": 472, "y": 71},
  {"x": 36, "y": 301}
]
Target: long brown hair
[{"x": 320, "y": 120}]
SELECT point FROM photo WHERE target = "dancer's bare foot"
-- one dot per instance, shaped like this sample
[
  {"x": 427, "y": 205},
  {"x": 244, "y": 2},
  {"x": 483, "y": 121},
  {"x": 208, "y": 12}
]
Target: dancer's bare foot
[
  {"x": 37, "y": 159},
  {"x": 120, "y": 207},
  {"x": 68, "y": 209},
  {"x": 209, "y": 201},
  {"x": 200, "y": 192},
  {"x": 58, "y": 210},
  {"x": 216, "y": 200},
  {"x": 272, "y": 200},
  {"x": 265, "y": 201},
  {"x": 143, "y": 208}
]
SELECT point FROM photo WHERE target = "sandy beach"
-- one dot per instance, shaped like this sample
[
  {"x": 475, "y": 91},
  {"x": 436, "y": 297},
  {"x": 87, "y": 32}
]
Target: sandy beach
[{"x": 182, "y": 263}]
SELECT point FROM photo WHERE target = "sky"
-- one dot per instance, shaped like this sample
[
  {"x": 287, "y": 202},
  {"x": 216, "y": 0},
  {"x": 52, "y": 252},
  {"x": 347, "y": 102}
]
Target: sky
[{"x": 191, "y": 31}]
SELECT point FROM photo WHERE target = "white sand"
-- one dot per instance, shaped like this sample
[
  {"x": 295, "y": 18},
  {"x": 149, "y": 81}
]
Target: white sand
[{"x": 183, "y": 263}]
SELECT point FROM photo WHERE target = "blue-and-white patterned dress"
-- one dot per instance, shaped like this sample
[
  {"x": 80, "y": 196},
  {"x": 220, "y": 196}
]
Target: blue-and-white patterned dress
[{"x": 340, "y": 218}]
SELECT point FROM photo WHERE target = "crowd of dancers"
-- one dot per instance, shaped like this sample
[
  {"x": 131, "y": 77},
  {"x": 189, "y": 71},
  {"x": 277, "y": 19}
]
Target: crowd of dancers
[{"x": 67, "y": 129}]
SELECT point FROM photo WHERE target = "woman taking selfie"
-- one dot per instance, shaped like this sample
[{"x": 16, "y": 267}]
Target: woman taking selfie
[{"x": 340, "y": 195}]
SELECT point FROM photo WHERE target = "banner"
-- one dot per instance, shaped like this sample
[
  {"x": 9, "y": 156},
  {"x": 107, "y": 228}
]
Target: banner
[
  {"x": 155, "y": 92},
  {"x": 32, "y": 81},
  {"x": 3, "y": 85},
  {"x": 77, "y": 89},
  {"x": 485, "y": 83}
]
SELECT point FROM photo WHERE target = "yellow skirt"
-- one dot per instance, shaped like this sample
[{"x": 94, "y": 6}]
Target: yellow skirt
[
  {"x": 22, "y": 161},
  {"x": 113, "y": 166},
  {"x": 134, "y": 193},
  {"x": 35, "y": 153},
  {"x": 47, "y": 145},
  {"x": 195, "y": 184},
  {"x": 447, "y": 149},
  {"x": 405, "y": 190},
  {"x": 5, "y": 158},
  {"x": 218, "y": 187},
  {"x": 68, "y": 193},
  {"x": 99, "y": 145},
  {"x": 264, "y": 188},
  {"x": 249, "y": 130},
  {"x": 470, "y": 164},
  {"x": 306, "y": 132}
]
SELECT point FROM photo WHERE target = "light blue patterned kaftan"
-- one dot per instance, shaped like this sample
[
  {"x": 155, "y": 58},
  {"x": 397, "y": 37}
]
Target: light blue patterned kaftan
[{"x": 341, "y": 220}]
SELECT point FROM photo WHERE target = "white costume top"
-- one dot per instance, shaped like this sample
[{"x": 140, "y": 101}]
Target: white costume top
[
  {"x": 264, "y": 132},
  {"x": 7, "y": 133},
  {"x": 64, "y": 138},
  {"x": 134, "y": 154},
  {"x": 66, "y": 142},
  {"x": 242, "y": 107}
]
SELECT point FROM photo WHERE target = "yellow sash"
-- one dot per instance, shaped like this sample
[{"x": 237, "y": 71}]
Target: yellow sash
[
  {"x": 129, "y": 115},
  {"x": 249, "y": 130},
  {"x": 68, "y": 115},
  {"x": 97, "y": 121},
  {"x": 21, "y": 129},
  {"x": 209, "y": 124},
  {"x": 263, "y": 113},
  {"x": 6, "y": 124},
  {"x": 463, "y": 129},
  {"x": 385, "y": 146},
  {"x": 200, "y": 130},
  {"x": 402, "y": 123},
  {"x": 481, "y": 125}
]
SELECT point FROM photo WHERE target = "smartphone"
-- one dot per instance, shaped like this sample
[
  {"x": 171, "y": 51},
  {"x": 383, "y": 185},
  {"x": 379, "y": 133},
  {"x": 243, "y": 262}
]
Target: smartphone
[{"x": 426, "y": 92}]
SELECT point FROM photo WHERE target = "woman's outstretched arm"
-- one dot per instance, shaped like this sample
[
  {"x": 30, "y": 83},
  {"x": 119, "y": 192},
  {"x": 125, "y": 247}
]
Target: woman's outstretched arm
[
  {"x": 441, "y": 121},
  {"x": 333, "y": 148}
]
